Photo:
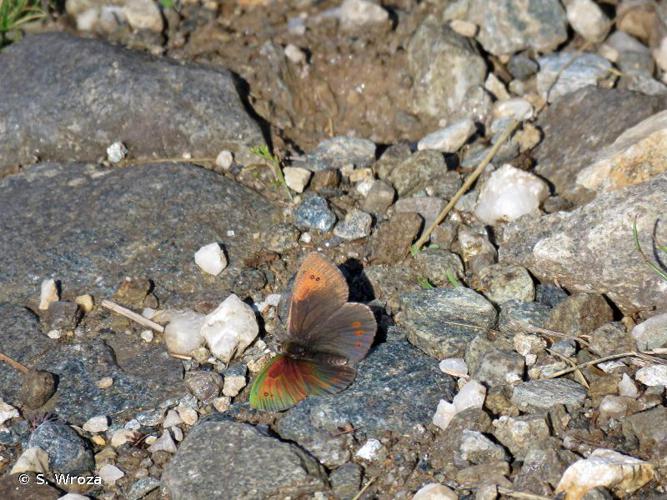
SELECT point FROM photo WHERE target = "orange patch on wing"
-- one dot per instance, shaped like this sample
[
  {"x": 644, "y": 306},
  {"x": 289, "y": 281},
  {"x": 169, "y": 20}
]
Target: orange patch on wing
[
  {"x": 359, "y": 333},
  {"x": 356, "y": 324}
]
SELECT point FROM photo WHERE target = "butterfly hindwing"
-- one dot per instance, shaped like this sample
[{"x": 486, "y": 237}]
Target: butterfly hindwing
[
  {"x": 286, "y": 381},
  {"x": 319, "y": 290},
  {"x": 278, "y": 386},
  {"x": 348, "y": 332}
]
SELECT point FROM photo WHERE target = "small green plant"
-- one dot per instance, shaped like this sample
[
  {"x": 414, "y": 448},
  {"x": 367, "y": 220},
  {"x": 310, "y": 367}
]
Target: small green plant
[
  {"x": 16, "y": 13},
  {"x": 167, "y": 4},
  {"x": 424, "y": 283},
  {"x": 451, "y": 277},
  {"x": 655, "y": 267},
  {"x": 264, "y": 153}
]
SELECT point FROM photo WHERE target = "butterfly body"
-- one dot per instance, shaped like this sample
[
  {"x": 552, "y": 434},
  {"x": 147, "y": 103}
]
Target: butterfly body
[{"x": 326, "y": 336}]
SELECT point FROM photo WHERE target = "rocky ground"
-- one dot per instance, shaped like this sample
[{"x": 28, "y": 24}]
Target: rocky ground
[{"x": 521, "y": 350}]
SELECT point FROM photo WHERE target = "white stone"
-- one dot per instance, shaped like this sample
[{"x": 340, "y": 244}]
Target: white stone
[
  {"x": 54, "y": 334},
  {"x": 121, "y": 436},
  {"x": 587, "y": 19},
  {"x": 171, "y": 419},
  {"x": 435, "y": 491},
  {"x": 85, "y": 302},
  {"x": 233, "y": 385},
  {"x": 110, "y": 473},
  {"x": 163, "y": 443},
  {"x": 297, "y": 178},
  {"x": 178, "y": 433},
  {"x": 364, "y": 187},
  {"x": 225, "y": 159},
  {"x": 73, "y": 496},
  {"x": 7, "y": 412},
  {"x": 607, "y": 468},
  {"x": 496, "y": 87},
  {"x": 86, "y": 20},
  {"x": 651, "y": 333},
  {"x": 305, "y": 237},
  {"x": 653, "y": 375},
  {"x": 32, "y": 460},
  {"x": 147, "y": 335},
  {"x": 211, "y": 258},
  {"x": 456, "y": 367},
  {"x": 100, "y": 423},
  {"x": 294, "y": 54},
  {"x": 230, "y": 328},
  {"x": 627, "y": 387},
  {"x": 508, "y": 194},
  {"x": 370, "y": 451},
  {"x": 182, "y": 335},
  {"x": 613, "y": 406},
  {"x": 516, "y": 108},
  {"x": 525, "y": 344},
  {"x": 143, "y": 14},
  {"x": 470, "y": 396},
  {"x": 48, "y": 294},
  {"x": 448, "y": 139},
  {"x": 355, "y": 14},
  {"x": 116, "y": 152}
]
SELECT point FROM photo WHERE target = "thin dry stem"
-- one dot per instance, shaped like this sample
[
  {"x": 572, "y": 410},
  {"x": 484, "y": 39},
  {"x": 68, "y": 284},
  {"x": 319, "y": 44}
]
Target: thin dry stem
[
  {"x": 642, "y": 355},
  {"x": 14, "y": 364},
  {"x": 363, "y": 490},
  {"x": 137, "y": 318}
]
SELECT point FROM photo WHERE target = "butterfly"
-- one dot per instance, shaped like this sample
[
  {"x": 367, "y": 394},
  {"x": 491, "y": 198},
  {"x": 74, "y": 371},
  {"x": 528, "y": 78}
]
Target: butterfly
[{"x": 326, "y": 337}]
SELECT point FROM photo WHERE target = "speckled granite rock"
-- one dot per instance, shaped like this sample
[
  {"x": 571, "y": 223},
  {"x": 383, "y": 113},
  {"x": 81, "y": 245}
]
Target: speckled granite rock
[
  {"x": 143, "y": 221},
  {"x": 68, "y": 453},
  {"x": 104, "y": 93},
  {"x": 218, "y": 457}
]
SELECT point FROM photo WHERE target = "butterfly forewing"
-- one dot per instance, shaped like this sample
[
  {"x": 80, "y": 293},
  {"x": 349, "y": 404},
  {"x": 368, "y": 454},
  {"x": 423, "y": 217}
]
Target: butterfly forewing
[{"x": 319, "y": 291}]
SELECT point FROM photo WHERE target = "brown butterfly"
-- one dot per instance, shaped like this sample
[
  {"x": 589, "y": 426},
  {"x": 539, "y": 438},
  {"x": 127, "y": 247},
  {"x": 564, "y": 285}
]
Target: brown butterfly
[{"x": 326, "y": 337}]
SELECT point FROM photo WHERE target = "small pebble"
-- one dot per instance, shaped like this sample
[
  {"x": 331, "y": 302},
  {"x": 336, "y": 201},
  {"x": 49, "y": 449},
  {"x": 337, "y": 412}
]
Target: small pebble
[
  {"x": 182, "y": 335},
  {"x": 171, "y": 419},
  {"x": 653, "y": 375},
  {"x": 224, "y": 160},
  {"x": 163, "y": 443},
  {"x": 147, "y": 335},
  {"x": 211, "y": 258},
  {"x": 230, "y": 328},
  {"x": 7, "y": 412},
  {"x": 448, "y": 139},
  {"x": 116, "y": 152},
  {"x": 456, "y": 367},
  {"x": 627, "y": 387},
  {"x": 356, "y": 225},
  {"x": 96, "y": 424},
  {"x": 295, "y": 54},
  {"x": 371, "y": 450},
  {"x": 31, "y": 460},
  {"x": 222, "y": 404},
  {"x": 356, "y": 14},
  {"x": 464, "y": 28},
  {"x": 587, "y": 19},
  {"x": 48, "y": 294},
  {"x": 85, "y": 302},
  {"x": 233, "y": 385},
  {"x": 297, "y": 178},
  {"x": 104, "y": 383},
  {"x": 54, "y": 334},
  {"x": 122, "y": 436},
  {"x": 187, "y": 414},
  {"x": 472, "y": 395},
  {"x": 110, "y": 473},
  {"x": 314, "y": 213}
]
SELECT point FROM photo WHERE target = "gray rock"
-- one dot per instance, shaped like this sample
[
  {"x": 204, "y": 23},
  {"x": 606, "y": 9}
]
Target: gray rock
[
  {"x": 477, "y": 448},
  {"x": 282, "y": 237},
  {"x": 611, "y": 339},
  {"x": 501, "y": 283},
  {"x": 475, "y": 248},
  {"x": 218, "y": 457},
  {"x": 356, "y": 225},
  {"x": 142, "y": 487},
  {"x": 68, "y": 453},
  {"x": 573, "y": 136},
  {"x": 547, "y": 393},
  {"x": 550, "y": 295},
  {"x": 553, "y": 81},
  {"x": 314, "y": 213},
  {"x": 520, "y": 434},
  {"x": 652, "y": 333},
  {"x": 417, "y": 172},
  {"x": 521, "y": 66},
  {"x": 338, "y": 152},
  {"x": 644, "y": 427},
  {"x": 592, "y": 248},
  {"x": 580, "y": 314},
  {"x": 346, "y": 480},
  {"x": 492, "y": 365},
  {"x": 517, "y": 316},
  {"x": 508, "y": 26},
  {"x": 104, "y": 93},
  {"x": 446, "y": 445},
  {"x": 392, "y": 240},
  {"x": 542, "y": 468},
  {"x": 396, "y": 388},
  {"x": 427, "y": 206},
  {"x": 126, "y": 222},
  {"x": 440, "y": 267},
  {"x": 436, "y": 53},
  {"x": 442, "y": 321},
  {"x": 204, "y": 385},
  {"x": 565, "y": 347},
  {"x": 62, "y": 315},
  {"x": 379, "y": 198}
]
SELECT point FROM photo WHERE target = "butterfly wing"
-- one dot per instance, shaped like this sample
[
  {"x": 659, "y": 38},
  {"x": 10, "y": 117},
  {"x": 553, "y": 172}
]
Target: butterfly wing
[
  {"x": 286, "y": 381},
  {"x": 348, "y": 332},
  {"x": 319, "y": 291}
]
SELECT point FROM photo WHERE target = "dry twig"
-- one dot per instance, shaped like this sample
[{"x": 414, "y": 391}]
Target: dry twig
[{"x": 137, "y": 318}]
